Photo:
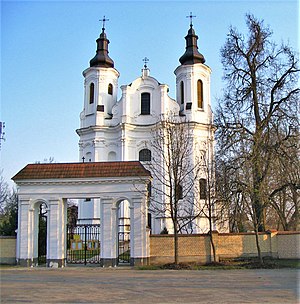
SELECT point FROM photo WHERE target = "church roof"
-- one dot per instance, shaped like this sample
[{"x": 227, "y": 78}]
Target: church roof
[
  {"x": 101, "y": 58},
  {"x": 82, "y": 170},
  {"x": 191, "y": 55}
]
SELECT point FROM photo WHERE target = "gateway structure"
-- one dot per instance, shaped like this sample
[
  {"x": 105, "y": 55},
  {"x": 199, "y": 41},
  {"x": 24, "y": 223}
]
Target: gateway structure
[{"x": 121, "y": 130}]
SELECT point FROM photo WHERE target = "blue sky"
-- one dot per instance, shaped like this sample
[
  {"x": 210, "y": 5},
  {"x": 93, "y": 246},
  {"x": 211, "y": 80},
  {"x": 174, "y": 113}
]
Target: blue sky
[{"x": 45, "y": 46}]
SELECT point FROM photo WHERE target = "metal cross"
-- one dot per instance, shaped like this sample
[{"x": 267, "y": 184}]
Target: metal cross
[
  {"x": 146, "y": 60},
  {"x": 103, "y": 22},
  {"x": 191, "y": 18},
  {"x": 83, "y": 158}
]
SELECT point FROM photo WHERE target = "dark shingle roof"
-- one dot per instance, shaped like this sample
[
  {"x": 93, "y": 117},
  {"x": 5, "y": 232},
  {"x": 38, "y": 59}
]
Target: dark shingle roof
[{"x": 82, "y": 170}]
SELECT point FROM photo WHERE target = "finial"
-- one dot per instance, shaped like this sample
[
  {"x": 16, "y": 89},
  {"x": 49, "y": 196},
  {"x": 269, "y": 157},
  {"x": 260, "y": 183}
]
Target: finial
[
  {"x": 191, "y": 18},
  {"x": 145, "y": 70},
  {"x": 103, "y": 22},
  {"x": 146, "y": 60}
]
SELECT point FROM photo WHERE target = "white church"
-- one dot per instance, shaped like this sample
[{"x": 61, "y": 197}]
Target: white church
[
  {"x": 113, "y": 129},
  {"x": 116, "y": 181}
]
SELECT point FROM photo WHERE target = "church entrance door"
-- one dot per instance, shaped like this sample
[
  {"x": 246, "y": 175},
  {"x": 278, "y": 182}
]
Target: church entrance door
[{"x": 83, "y": 244}]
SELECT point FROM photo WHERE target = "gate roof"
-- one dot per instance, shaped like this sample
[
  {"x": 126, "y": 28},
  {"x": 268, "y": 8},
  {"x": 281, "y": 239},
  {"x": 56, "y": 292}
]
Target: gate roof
[{"x": 82, "y": 170}]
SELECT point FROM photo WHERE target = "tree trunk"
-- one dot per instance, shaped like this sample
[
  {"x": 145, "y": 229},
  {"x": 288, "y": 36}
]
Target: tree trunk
[
  {"x": 258, "y": 207},
  {"x": 258, "y": 247},
  {"x": 213, "y": 246},
  {"x": 176, "y": 259}
]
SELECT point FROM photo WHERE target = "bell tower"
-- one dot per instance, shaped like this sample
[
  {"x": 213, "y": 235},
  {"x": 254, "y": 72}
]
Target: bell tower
[
  {"x": 193, "y": 81},
  {"x": 100, "y": 95},
  {"x": 100, "y": 85}
]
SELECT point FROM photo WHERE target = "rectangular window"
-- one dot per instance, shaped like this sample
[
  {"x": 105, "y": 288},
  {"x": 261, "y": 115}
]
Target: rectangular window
[
  {"x": 203, "y": 188},
  {"x": 92, "y": 92},
  {"x": 100, "y": 108},
  {"x": 149, "y": 221},
  {"x": 145, "y": 103},
  {"x": 178, "y": 192},
  {"x": 182, "y": 92}
]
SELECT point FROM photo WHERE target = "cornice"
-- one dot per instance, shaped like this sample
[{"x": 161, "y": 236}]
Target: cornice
[{"x": 62, "y": 182}]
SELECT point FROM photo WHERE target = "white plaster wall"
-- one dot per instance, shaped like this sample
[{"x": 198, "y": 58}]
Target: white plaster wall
[{"x": 127, "y": 132}]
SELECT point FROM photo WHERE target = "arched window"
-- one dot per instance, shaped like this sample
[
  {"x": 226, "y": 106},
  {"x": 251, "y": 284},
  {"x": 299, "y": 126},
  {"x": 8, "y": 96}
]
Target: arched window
[
  {"x": 88, "y": 157},
  {"x": 110, "y": 89},
  {"x": 112, "y": 155},
  {"x": 92, "y": 92},
  {"x": 145, "y": 155},
  {"x": 182, "y": 92},
  {"x": 145, "y": 103},
  {"x": 200, "y": 93}
]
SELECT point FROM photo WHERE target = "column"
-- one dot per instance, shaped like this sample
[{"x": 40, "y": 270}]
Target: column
[
  {"x": 25, "y": 237},
  {"x": 56, "y": 235},
  {"x": 108, "y": 236},
  {"x": 139, "y": 236}
]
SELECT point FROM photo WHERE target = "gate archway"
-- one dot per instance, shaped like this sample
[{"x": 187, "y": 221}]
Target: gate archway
[
  {"x": 123, "y": 239},
  {"x": 42, "y": 234},
  {"x": 106, "y": 181}
]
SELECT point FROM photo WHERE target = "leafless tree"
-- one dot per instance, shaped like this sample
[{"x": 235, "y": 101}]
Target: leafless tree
[
  {"x": 4, "y": 192},
  {"x": 283, "y": 209},
  {"x": 176, "y": 170},
  {"x": 257, "y": 114},
  {"x": 8, "y": 208}
]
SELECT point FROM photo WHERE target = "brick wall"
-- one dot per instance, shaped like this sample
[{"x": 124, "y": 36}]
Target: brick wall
[
  {"x": 196, "y": 248},
  {"x": 7, "y": 250},
  {"x": 191, "y": 247},
  {"x": 288, "y": 245}
]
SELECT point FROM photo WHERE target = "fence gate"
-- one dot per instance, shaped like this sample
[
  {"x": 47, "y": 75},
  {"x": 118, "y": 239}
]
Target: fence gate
[
  {"x": 124, "y": 244},
  {"x": 83, "y": 244}
]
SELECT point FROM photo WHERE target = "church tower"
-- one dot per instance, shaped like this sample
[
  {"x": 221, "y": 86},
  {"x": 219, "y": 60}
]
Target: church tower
[
  {"x": 193, "y": 82},
  {"x": 100, "y": 95},
  {"x": 193, "y": 98}
]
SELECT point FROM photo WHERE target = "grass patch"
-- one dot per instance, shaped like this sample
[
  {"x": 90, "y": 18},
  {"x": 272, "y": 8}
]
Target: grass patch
[
  {"x": 252, "y": 263},
  {"x": 125, "y": 256},
  {"x": 148, "y": 267}
]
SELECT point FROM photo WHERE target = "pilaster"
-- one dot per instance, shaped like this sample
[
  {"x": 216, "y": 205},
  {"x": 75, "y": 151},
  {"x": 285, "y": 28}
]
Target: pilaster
[
  {"x": 25, "y": 235},
  {"x": 56, "y": 245},
  {"x": 108, "y": 236},
  {"x": 139, "y": 236}
]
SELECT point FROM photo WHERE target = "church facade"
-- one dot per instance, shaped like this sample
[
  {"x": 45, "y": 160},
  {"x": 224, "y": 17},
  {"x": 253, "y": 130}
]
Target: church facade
[{"x": 113, "y": 129}]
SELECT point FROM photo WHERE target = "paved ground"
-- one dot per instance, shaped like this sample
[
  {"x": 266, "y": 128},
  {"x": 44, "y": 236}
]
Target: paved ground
[{"x": 120, "y": 285}]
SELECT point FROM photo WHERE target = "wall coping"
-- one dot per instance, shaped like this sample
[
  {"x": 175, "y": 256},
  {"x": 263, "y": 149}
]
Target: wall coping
[
  {"x": 288, "y": 232},
  {"x": 7, "y": 237},
  {"x": 228, "y": 233}
]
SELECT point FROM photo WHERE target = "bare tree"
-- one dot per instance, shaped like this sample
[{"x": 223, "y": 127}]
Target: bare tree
[
  {"x": 4, "y": 193},
  {"x": 283, "y": 209},
  {"x": 213, "y": 209},
  {"x": 257, "y": 115},
  {"x": 176, "y": 171},
  {"x": 8, "y": 209}
]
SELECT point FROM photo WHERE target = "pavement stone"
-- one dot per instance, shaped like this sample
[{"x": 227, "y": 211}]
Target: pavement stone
[{"x": 126, "y": 285}]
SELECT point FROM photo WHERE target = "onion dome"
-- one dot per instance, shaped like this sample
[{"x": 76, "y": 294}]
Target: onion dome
[
  {"x": 191, "y": 55},
  {"x": 101, "y": 58}
]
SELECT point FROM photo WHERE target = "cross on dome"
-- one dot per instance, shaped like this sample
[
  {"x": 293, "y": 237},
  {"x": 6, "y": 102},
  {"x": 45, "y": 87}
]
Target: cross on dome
[
  {"x": 191, "y": 18},
  {"x": 103, "y": 22},
  {"x": 146, "y": 60}
]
